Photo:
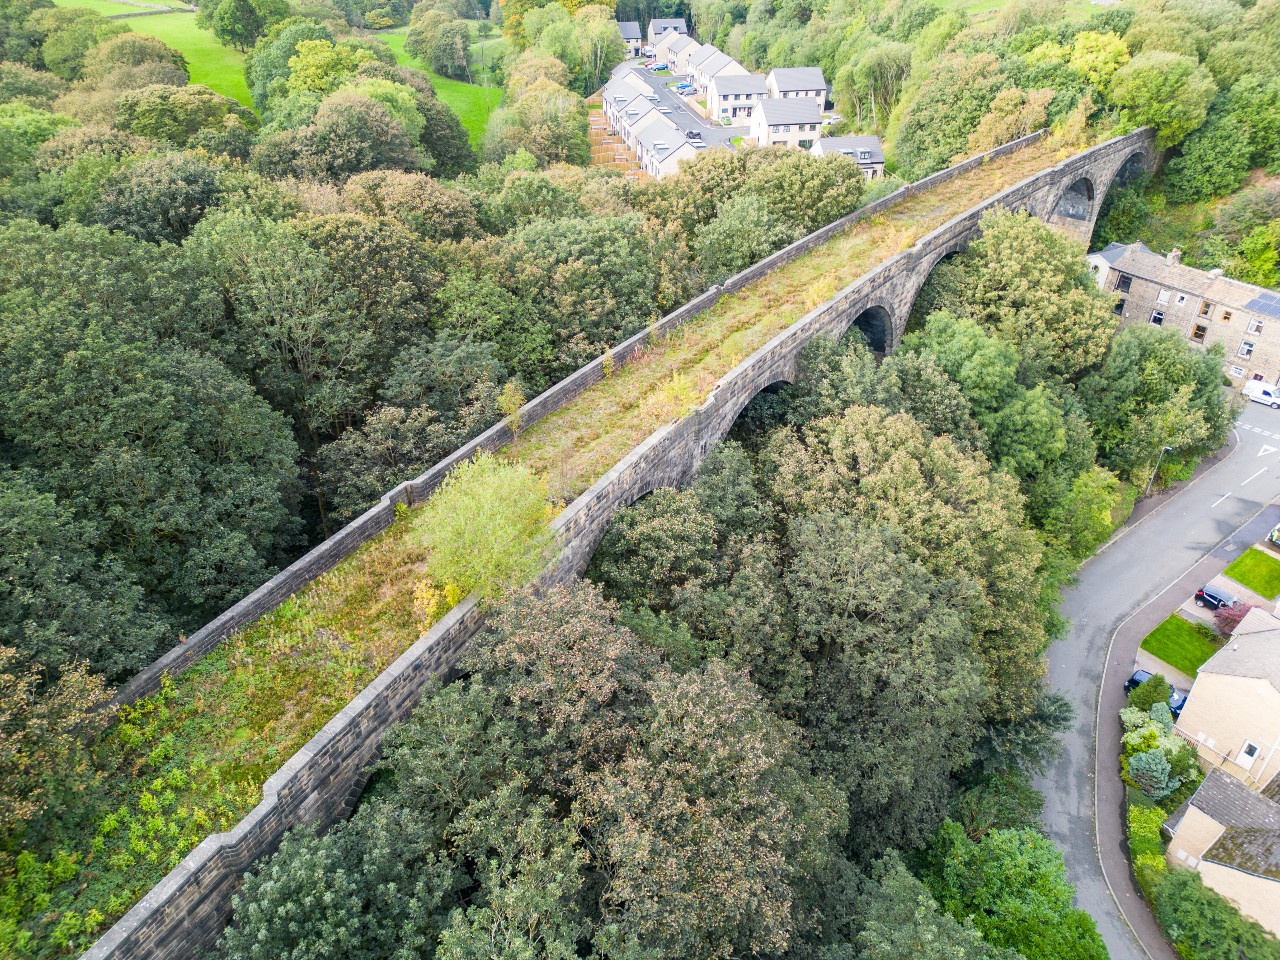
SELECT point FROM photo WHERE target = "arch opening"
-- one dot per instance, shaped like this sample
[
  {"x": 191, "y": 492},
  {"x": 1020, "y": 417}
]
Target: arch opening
[
  {"x": 764, "y": 411},
  {"x": 1076, "y": 202},
  {"x": 876, "y": 326},
  {"x": 1133, "y": 168}
]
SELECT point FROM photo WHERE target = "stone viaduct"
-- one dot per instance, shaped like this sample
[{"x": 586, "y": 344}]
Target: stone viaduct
[{"x": 183, "y": 915}]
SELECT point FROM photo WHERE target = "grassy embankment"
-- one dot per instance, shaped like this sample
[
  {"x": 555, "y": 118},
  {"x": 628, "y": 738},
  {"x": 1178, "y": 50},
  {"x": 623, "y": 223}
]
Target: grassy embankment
[
  {"x": 192, "y": 759},
  {"x": 108, "y": 8},
  {"x": 219, "y": 68},
  {"x": 473, "y": 103}
]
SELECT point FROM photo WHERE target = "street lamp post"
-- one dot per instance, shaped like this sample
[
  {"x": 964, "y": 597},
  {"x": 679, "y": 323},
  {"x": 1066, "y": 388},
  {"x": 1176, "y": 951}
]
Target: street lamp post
[{"x": 1156, "y": 470}]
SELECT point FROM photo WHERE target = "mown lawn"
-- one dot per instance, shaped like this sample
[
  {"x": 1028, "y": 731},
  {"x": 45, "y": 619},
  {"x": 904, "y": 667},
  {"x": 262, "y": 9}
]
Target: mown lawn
[
  {"x": 1181, "y": 644},
  {"x": 472, "y": 103},
  {"x": 1257, "y": 571},
  {"x": 219, "y": 68}
]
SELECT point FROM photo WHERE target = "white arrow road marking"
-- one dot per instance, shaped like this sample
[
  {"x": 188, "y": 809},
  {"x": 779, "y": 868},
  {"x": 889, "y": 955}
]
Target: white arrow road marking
[{"x": 1266, "y": 449}]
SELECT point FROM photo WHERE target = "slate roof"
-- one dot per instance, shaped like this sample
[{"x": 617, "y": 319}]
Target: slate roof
[
  {"x": 851, "y": 146},
  {"x": 713, "y": 64},
  {"x": 1255, "y": 654},
  {"x": 798, "y": 110},
  {"x": 707, "y": 51},
  {"x": 629, "y": 29},
  {"x": 1139, "y": 261},
  {"x": 798, "y": 78},
  {"x": 677, "y": 42},
  {"x": 662, "y": 25},
  {"x": 734, "y": 83},
  {"x": 1250, "y": 839}
]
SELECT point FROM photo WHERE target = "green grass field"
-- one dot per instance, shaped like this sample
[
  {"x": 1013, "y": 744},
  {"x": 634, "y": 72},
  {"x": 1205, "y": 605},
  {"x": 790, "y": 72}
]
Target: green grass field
[
  {"x": 985, "y": 13},
  {"x": 104, "y": 7},
  {"x": 1181, "y": 644},
  {"x": 473, "y": 104},
  {"x": 219, "y": 68},
  {"x": 1257, "y": 571}
]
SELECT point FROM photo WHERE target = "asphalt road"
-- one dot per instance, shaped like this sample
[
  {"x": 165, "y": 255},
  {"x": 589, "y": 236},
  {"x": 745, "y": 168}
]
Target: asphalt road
[{"x": 1138, "y": 578}]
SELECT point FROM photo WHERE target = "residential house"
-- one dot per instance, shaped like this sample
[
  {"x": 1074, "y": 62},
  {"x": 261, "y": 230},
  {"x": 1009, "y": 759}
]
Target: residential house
[
  {"x": 659, "y": 28},
  {"x": 719, "y": 64},
  {"x": 630, "y": 31},
  {"x": 676, "y": 50},
  {"x": 732, "y": 96},
  {"x": 1231, "y": 835},
  {"x": 625, "y": 85},
  {"x": 786, "y": 83},
  {"x": 662, "y": 145},
  {"x": 1204, "y": 306},
  {"x": 1230, "y": 828},
  {"x": 790, "y": 123},
  {"x": 1232, "y": 713},
  {"x": 866, "y": 150}
]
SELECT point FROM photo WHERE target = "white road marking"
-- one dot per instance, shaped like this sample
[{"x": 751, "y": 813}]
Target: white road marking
[
  {"x": 1219, "y": 500},
  {"x": 1255, "y": 476},
  {"x": 1266, "y": 449}
]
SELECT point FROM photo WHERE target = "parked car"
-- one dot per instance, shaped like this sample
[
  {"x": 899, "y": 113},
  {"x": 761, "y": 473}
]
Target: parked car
[
  {"x": 650, "y": 63},
  {"x": 659, "y": 66},
  {"x": 1177, "y": 698},
  {"x": 1260, "y": 392},
  {"x": 693, "y": 134},
  {"x": 1214, "y": 597},
  {"x": 685, "y": 88},
  {"x": 834, "y": 118}
]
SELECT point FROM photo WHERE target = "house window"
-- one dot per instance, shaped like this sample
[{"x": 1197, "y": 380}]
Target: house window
[
  {"x": 1226, "y": 316},
  {"x": 1182, "y": 298},
  {"x": 1124, "y": 283},
  {"x": 1157, "y": 317},
  {"x": 1162, "y": 297},
  {"x": 786, "y": 128},
  {"x": 1198, "y": 332},
  {"x": 1255, "y": 326},
  {"x": 1206, "y": 309},
  {"x": 1246, "y": 348},
  {"x": 864, "y": 154},
  {"x": 1235, "y": 372},
  {"x": 1118, "y": 309}
]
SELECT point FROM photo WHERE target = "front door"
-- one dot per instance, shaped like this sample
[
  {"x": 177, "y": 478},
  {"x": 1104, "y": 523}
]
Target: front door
[{"x": 1248, "y": 753}]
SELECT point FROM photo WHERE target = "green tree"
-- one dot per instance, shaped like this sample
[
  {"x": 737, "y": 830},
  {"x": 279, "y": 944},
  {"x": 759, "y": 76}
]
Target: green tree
[
  {"x": 1013, "y": 885},
  {"x": 160, "y": 199},
  {"x": 1205, "y": 924},
  {"x": 743, "y": 232},
  {"x": 899, "y": 920},
  {"x": 1213, "y": 161},
  {"x": 59, "y": 601},
  {"x": 1169, "y": 92},
  {"x": 177, "y": 114},
  {"x": 933, "y": 124}
]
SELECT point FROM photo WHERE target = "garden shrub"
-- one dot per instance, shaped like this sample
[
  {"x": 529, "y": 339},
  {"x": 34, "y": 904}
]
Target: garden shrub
[{"x": 1149, "y": 693}]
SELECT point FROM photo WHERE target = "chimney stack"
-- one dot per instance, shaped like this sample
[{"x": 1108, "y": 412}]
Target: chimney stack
[{"x": 1175, "y": 256}]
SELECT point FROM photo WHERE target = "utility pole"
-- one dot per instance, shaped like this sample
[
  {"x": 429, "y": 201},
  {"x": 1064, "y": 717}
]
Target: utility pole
[{"x": 1156, "y": 470}]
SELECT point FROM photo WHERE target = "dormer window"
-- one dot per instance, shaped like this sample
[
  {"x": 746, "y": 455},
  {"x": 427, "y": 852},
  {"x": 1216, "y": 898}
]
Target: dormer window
[{"x": 864, "y": 154}]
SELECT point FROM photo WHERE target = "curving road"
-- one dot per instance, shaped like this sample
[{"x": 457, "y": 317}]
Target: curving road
[{"x": 1121, "y": 593}]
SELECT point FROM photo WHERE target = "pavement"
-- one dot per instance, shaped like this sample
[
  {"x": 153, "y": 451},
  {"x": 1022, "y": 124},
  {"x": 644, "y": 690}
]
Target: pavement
[
  {"x": 1173, "y": 545},
  {"x": 683, "y": 115}
]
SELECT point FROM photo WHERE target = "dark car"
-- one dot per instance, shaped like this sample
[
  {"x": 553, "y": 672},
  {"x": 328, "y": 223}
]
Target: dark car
[
  {"x": 693, "y": 134},
  {"x": 1214, "y": 597},
  {"x": 1177, "y": 699}
]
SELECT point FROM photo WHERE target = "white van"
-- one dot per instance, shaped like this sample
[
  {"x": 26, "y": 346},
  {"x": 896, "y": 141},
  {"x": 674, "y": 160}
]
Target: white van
[{"x": 1260, "y": 392}]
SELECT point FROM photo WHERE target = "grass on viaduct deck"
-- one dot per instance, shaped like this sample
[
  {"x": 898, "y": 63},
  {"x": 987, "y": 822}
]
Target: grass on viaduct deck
[
  {"x": 230, "y": 721},
  {"x": 579, "y": 443}
]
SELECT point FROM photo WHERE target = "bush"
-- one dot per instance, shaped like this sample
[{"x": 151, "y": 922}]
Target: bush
[
  {"x": 1151, "y": 772},
  {"x": 1146, "y": 849},
  {"x": 1205, "y": 926},
  {"x": 486, "y": 527},
  {"x": 1149, "y": 693}
]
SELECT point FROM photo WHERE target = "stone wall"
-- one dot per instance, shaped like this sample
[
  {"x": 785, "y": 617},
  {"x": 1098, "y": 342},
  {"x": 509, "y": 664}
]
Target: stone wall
[{"x": 184, "y": 914}]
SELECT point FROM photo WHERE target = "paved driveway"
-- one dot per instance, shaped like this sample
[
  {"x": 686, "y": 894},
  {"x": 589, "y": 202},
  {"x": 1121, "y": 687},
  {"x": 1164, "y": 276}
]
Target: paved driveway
[
  {"x": 1138, "y": 579},
  {"x": 684, "y": 116}
]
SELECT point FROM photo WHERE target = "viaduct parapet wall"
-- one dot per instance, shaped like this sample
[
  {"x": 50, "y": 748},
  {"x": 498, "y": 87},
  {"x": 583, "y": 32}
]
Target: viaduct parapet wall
[{"x": 184, "y": 914}]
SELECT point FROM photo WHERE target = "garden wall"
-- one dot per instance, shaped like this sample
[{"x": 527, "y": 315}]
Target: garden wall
[{"x": 185, "y": 913}]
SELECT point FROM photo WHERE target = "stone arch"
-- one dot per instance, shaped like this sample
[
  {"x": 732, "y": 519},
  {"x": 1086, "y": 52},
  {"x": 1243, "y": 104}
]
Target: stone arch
[
  {"x": 1077, "y": 201},
  {"x": 1135, "y": 165},
  {"x": 875, "y": 323},
  {"x": 756, "y": 406},
  {"x": 921, "y": 278}
]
